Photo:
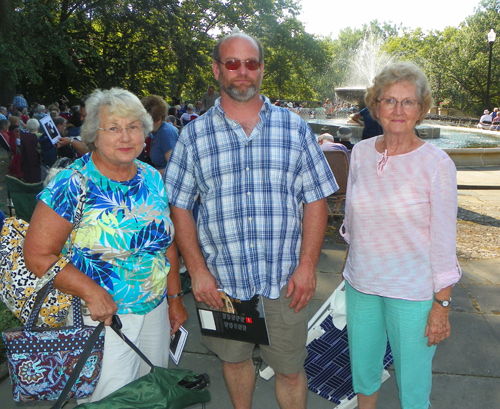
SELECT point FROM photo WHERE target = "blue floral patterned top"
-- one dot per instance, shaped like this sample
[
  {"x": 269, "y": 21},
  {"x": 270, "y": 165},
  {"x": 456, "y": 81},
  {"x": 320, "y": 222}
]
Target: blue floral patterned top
[{"x": 124, "y": 233}]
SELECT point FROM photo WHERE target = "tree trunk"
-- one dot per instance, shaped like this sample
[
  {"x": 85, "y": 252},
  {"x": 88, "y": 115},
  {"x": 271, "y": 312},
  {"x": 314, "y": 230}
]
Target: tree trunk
[{"x": 7, "y": 87}]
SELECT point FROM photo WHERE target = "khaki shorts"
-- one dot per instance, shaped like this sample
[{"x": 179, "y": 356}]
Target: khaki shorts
[{"x": 287, "y": 334}]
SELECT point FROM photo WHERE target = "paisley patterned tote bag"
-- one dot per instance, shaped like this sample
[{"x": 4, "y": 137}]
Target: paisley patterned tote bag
[{"x": 54, "y": 363}]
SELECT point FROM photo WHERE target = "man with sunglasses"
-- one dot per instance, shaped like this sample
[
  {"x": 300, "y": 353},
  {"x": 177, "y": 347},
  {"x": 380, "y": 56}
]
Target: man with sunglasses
[{"x": 262, "y": 180}]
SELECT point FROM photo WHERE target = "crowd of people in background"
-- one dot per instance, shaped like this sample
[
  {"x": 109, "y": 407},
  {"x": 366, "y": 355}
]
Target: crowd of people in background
[
  {"x": 318, "y": 110},
  {"x": 32, "y": 152},
  {"x": 489, "y": 120},
  {"x": 29, "y": 147}
]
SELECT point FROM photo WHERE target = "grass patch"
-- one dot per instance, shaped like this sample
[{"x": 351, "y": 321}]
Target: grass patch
[{"x": 7, "y": 321}]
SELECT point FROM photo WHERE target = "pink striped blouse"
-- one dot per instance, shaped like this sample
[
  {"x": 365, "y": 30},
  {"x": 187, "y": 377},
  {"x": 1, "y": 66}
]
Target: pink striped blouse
[{"x": 400, "y": 222}]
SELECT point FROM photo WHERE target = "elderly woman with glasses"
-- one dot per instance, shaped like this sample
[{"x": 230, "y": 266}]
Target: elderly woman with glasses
[
  {"x": 400, "y": 223},
  {"x": 124, "y": 260}
]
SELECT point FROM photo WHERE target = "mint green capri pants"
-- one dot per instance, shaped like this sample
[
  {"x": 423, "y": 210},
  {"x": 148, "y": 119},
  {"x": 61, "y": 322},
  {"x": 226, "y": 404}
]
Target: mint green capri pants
[{"x": 371, "y": 320}]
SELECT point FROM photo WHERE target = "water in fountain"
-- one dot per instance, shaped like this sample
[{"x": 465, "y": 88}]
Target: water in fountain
[{"x": 368, "y": 61}]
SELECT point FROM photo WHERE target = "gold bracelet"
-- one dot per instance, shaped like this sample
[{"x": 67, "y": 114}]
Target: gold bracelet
[{"x": 169, "y": 297}]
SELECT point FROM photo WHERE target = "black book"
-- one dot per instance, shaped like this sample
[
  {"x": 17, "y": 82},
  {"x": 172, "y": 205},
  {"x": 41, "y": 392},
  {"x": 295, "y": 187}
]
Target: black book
[{"x": 237, "y": 320}]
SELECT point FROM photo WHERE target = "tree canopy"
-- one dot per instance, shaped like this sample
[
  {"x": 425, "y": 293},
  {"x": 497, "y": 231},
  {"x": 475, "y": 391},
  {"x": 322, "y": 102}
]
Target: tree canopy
[
  {"x": 70, "y": 47},
  {"x": 147, "y": 46}
]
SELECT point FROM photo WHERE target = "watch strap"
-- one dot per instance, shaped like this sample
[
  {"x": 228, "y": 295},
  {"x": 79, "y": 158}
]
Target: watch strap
[
  {"x": 444, "y": 303},
  {"x": 169, "y": 297}
]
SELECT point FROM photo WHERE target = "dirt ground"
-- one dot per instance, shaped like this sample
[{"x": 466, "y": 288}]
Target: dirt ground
[{"x": 478, "y": 234}]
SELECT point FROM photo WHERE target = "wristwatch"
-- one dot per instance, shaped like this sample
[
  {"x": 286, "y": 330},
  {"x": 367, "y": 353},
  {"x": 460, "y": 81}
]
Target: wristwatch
[{"x": 445, "y": 303}]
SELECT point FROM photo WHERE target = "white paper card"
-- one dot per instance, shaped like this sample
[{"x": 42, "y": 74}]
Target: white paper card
[{"x": 207, "y": 320}]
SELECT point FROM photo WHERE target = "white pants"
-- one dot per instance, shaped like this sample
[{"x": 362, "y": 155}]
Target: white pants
[{"x": 120, "y": 364}]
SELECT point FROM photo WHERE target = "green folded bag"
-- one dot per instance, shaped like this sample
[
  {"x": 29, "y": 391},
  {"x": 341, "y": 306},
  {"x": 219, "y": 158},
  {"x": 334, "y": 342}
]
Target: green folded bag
[
  {"x": 159, "y": 389},
  {"x": 162, "y": 388}
]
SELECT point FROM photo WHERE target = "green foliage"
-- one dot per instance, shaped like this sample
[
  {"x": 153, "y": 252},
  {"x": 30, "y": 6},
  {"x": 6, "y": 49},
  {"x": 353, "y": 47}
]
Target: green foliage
[
  {"x": 293, "y": 59},
  {"x": 456, "y": 59},
  {"x": 7, "y": 320},
  {"x": 164, "y": 47},
  {"x": 147, "y": 46}
]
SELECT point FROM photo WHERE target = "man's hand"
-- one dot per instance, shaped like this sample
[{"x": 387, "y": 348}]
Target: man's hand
[
  {"x": 205, "y": 288},
  {"x": 202, "y": 281},
  {"x": 302, "y": 284}
]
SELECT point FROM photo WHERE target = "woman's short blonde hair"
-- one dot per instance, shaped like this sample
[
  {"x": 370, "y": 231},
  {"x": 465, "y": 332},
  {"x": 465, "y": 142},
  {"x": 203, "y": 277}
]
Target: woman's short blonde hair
[
  {"x": 399, "y": 72},
  {"x": 121, "y": 103}
]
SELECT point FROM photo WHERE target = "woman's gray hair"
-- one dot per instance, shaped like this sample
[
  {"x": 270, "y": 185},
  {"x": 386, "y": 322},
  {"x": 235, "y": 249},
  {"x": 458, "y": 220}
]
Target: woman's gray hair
[
  {"x": 59, "y": 120},
  {"x": 121, "y": 103},
  {"x": 393, "y": 73},
  {"x": 33, "y": 125}
]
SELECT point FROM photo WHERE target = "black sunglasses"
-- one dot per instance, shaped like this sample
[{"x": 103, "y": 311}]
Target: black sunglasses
[{"x": 233, "y": 65}]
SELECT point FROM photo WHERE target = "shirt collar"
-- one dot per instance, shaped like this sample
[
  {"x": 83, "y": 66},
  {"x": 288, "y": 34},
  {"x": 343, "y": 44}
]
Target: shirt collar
[{"x": 266, "y": 106}]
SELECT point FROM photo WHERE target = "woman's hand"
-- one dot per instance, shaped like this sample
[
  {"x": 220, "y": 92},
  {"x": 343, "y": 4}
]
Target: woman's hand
[
  {"x": 101, "y": 305},
  {"x": 438, "y": 324},
  {"x": 177, "y": 314},
  {"x": 63, "y": 141}
]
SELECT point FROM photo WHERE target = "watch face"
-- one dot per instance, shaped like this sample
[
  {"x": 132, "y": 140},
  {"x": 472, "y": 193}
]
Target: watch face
[{"x": 445, "y": 303}]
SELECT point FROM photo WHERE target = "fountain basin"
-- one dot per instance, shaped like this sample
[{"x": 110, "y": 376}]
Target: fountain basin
[
  {"x": 461, "y": 156},
  {"x": 353, "y": 95},
  {"x": 425, "y": 132},
  {"x": 474, "y": 156}
]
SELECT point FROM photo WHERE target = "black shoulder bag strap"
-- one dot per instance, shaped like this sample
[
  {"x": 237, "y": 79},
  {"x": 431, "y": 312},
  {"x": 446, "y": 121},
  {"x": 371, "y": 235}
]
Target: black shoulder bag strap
[
  {"x": 79, "y": 366},
  {"x": 116, "y": 325}
]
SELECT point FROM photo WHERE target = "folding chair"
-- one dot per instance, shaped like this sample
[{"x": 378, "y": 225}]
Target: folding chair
[
  {"x": 22, "y": 197},
  {"x": 339, "y": 164},
  {"x": 328, "y": 366}
]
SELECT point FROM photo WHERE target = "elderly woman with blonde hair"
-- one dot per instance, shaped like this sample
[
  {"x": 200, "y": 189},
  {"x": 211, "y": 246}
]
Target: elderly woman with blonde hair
[
  {"x": 124, "y": 260},
  {"x": 400, "y": 222}
]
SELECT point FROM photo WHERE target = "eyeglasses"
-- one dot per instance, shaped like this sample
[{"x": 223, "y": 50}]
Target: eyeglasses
[
  {"x": 390, "y": 103},
  {"x": 233, "y": 65},
  {"x": 133, "y": 129}
]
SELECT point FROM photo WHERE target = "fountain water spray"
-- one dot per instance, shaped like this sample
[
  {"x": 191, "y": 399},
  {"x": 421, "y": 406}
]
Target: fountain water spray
[{"x": 368, "y": 61}]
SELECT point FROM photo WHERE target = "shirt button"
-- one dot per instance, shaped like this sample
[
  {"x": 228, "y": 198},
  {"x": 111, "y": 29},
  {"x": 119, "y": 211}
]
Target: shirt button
[
  {"x": 250, "y": 219},
  {"x": 247, "y": 169},
  {"x": 249, "y": 193},
  {"x": 251, "y": 245}
]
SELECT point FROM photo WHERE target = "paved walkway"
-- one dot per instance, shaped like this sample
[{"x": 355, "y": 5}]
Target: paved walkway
[{"x": 466, "y": 366}]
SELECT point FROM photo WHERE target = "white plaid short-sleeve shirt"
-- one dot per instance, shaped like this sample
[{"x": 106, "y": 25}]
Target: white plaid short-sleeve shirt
[{"x": 252, "y": 192}]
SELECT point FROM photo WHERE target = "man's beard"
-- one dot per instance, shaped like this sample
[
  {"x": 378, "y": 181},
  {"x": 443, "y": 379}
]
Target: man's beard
[{"x": 243, "y": 95}]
